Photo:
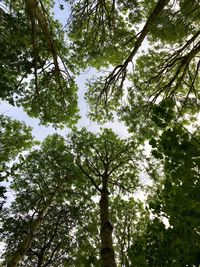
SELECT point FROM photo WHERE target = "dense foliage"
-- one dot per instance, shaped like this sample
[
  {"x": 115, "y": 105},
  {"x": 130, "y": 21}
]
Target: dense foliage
[{"x": 73, "y": 200}]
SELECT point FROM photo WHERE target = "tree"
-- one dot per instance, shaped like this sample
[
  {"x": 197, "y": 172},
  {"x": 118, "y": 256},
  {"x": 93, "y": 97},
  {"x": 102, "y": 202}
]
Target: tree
[
  {"x": 33, "y": 62},
  {"x": 15, "y": 137},
  {"x": 95, "y": 32},
  {"x": 54, "y": 187},
  {"x": 129, "y": 219},
  {"x": 157, "y": 99},
  {"x": 44, "y": 177},
  {"x": 54, "y": 242},
  {"x": 168, "y": 69},
  {"x": 107, "y": 162},
  {"x": 176, "y": 199}
]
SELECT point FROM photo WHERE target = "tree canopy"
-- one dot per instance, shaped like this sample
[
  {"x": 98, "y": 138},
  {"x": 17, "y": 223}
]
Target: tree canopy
[{"x": 96, "y": 198}]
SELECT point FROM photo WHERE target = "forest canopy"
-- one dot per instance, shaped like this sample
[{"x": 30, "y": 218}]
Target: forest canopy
[{"x": 97, "y": 198}]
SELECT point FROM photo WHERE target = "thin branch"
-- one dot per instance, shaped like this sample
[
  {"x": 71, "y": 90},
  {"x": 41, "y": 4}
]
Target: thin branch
[
  {"x": 110, "y": 181},
  {"x": 91, "y": 179}
]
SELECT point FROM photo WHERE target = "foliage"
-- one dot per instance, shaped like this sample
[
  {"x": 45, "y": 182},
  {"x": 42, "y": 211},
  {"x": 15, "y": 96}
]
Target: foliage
[
  {"x": 106, "y": 152},
  {"x": 44, "y": 177},
  {"x": 15, "y": 137},
  {"x": 97, "y": 30},
  {"x": 176, "y": 199},
  {"x": 129, "y": 219},
  {"x": 168, "y": 68},
  {"x": 74, "y": 197},
  {"x": 33, "y": 63}
]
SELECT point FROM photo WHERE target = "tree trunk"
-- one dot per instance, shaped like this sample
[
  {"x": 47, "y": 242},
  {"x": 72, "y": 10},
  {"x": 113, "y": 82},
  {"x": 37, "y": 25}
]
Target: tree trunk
[
  {"x": 107, "y": 252},
  {"x": 40, "y": 259},
  {"x": 25, "y": 245}
]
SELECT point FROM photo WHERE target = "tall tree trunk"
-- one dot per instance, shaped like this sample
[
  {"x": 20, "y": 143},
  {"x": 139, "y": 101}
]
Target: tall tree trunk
[
  {"x": 107, "y": 252},
  {"x": 40, "y": 259},
  {"x": 25, "y": 244}
]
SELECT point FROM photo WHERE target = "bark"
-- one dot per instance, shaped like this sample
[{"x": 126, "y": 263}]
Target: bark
[
  {"x": 107, "y": 252},
  {"x": 36, "y": 13},
  {"x": 40, "y": 259}
]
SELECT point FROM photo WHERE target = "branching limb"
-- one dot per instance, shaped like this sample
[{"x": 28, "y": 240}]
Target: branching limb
[{"x": 120, "y": 71}]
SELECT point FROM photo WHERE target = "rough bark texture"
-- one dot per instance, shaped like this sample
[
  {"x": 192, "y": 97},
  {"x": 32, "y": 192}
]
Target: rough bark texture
[{"x": 107, "y": 252}]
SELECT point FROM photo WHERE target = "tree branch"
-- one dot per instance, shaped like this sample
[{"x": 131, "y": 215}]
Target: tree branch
[
  {"x": 91, "y": 179},
  {"x": 120, "y": 70}
]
